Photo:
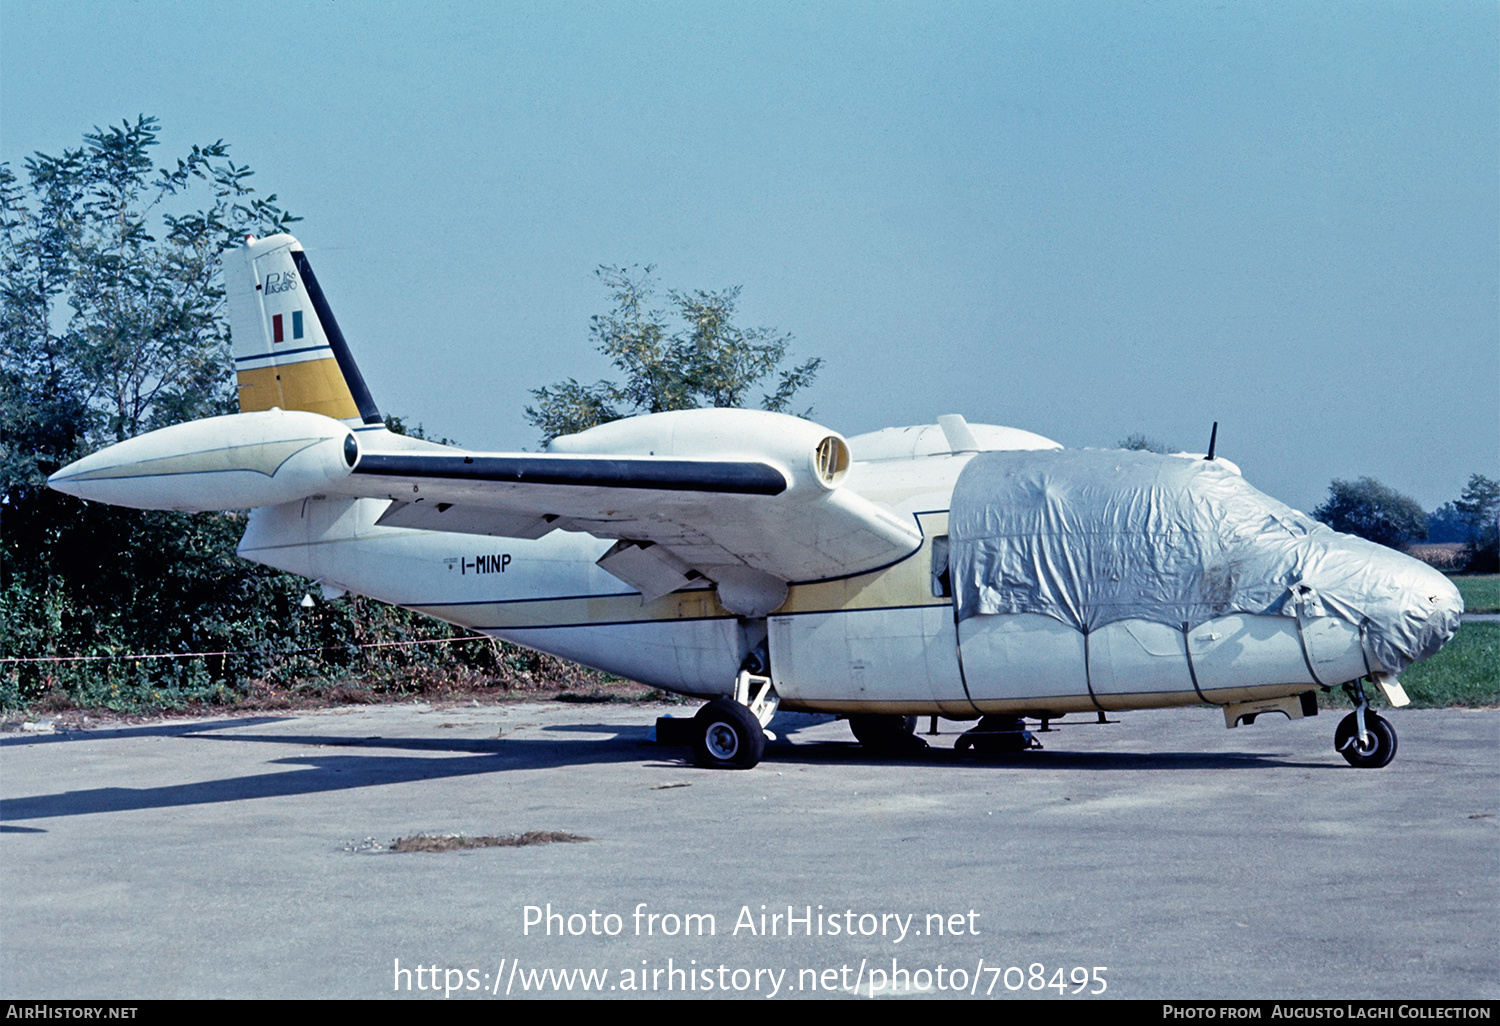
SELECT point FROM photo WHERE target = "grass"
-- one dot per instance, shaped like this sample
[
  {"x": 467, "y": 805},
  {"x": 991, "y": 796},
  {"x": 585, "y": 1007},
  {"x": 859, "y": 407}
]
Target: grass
[
  {"x": 1465, "y": 673},
  {"x": 1481, "y": 592},
  {"x": 553, "y": 680}
]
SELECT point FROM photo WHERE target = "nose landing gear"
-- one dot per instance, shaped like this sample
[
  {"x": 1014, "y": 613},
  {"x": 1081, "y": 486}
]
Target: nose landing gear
[
  {"x": 1364, "y": 739},
  {"x": 726, "y": 735},
  {"x": 730, "y": 733}
]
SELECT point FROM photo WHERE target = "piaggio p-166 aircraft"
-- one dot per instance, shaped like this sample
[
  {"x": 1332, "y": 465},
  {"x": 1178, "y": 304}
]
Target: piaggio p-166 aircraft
[{"x": 759, "y": 560}]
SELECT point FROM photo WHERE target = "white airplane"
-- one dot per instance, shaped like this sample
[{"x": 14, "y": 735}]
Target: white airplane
[{"x": 760, "y": 561}]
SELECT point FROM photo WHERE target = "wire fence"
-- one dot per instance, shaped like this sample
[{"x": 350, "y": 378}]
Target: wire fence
[{"x": 239, "y": 652}]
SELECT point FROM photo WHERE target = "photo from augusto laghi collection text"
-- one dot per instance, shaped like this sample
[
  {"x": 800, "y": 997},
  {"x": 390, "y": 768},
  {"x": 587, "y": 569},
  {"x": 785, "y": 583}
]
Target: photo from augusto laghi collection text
[{"x": 677, "y": 971}]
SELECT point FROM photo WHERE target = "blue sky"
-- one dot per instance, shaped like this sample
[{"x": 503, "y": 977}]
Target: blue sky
[{"x": 1082, "y": 219}]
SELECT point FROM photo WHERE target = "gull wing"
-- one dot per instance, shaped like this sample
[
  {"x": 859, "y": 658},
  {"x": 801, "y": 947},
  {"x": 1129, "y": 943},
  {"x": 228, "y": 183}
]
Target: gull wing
[{"x": 708, "y": 517}]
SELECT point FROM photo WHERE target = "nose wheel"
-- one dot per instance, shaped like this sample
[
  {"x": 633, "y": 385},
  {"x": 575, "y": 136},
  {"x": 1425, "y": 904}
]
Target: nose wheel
[
  {"x": 1374, "y": 750},
  {"x": 730, "y": 733},
  {"x": 1364, "y": 739},
  {"x": 726, "y": 735}
]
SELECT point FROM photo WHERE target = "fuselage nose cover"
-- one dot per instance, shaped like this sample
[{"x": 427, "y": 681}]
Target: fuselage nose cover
[{"x": 1091, "y": 537}]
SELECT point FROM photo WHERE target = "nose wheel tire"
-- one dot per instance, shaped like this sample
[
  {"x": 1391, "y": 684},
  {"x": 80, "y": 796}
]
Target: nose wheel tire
[
  {"x": 1379, "y": 746},
  {"x": 727, "y": 735}
]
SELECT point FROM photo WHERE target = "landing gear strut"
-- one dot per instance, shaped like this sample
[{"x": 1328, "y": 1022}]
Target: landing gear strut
[{"x": 1363, "y": 738}]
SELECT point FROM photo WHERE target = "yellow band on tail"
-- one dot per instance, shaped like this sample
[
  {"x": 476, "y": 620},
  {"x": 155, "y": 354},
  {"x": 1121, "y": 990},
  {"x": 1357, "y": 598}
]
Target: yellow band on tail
[{"x": 313, "y": 385}]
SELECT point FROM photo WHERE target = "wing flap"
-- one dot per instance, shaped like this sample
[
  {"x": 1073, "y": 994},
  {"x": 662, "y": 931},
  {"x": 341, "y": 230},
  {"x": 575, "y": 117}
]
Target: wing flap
[
  {"x": 446, "y": 516},
  {"x": 649, "y": 568}
]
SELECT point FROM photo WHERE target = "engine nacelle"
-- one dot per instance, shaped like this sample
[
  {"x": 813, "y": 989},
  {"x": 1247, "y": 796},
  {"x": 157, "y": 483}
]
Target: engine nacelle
[
  {"x": 812, "y": 456},
  {"x": 234, "y": 462}
]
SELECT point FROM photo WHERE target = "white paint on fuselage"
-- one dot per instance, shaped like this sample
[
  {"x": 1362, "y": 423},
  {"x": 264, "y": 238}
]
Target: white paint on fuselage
[{"x": 882, "y": 643}]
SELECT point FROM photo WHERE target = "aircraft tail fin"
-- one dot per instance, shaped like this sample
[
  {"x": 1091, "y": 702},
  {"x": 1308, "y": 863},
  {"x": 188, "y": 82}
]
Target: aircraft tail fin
[{"x": 288, "y": 349}]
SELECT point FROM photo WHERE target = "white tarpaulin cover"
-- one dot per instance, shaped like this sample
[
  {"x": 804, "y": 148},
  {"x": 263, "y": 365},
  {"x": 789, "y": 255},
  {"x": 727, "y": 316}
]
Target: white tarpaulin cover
[{"x": 1094, "y": 536}]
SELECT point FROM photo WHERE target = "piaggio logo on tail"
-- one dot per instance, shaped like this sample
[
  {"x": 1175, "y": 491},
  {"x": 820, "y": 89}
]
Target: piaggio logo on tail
[{"x": 280, "y": 281}]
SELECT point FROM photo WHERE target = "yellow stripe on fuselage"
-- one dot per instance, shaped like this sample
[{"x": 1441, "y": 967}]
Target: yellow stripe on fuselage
[
  {"x": 698, "y": 604},
  {"x": 316, "y": 386}
]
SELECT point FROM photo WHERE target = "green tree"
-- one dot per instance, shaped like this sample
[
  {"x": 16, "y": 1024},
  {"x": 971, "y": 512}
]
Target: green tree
[
  {"x": 1444, "y": 525},
  {"x": 111, "y": 309},
  {"x": 706, "y": 361},
  {"x": 111, "y": 323},
  {"x": 1479, "y": 509},
  {"x": 1370, "y": 510},
  {"x": 398, "y": 426}
]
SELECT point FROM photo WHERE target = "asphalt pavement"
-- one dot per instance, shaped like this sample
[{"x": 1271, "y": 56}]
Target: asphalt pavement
[{"x": 1159, "y": 857}]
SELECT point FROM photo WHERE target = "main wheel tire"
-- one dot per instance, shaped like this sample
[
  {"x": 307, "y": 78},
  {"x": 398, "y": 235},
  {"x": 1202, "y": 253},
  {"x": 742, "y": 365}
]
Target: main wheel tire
[
  {"x": 886, "y": 733},
  {"x": 996, "y": 735},
  {"x": 727, "y": 736},
  {"x": 1380, "y": 745}
]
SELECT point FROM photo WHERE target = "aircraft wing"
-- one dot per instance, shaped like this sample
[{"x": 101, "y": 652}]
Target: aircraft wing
[
  {"x": 750, "y": 500},
  {"x": 702, "y": 517}
]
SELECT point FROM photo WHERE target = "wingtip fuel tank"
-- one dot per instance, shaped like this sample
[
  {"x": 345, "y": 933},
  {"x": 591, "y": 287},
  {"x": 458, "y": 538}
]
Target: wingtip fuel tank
[{"x": 234, "y": 462}]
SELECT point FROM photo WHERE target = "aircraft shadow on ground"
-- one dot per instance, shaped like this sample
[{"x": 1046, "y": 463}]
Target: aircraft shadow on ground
[
  {"x": 848, "y": 752},
  {"x": 118, "y": 733},
  {"x": 321, "y": 773}
]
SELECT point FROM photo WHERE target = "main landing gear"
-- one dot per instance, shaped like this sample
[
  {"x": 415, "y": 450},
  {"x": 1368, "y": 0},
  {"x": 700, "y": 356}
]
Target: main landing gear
[
  {"x": 1363, "y": 738},
  {"x": 997, "y": 735},
  {"x": 730, "y": 733},
  {"x": 887, "y": 734}
]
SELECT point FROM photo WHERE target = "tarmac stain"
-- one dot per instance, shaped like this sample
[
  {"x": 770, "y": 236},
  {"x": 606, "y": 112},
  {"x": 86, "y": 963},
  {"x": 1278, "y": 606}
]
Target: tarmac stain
[{"x": 459, "y": 842}]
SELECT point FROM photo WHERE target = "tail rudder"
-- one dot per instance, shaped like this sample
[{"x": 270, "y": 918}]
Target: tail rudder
[{"x": 288, "y": 349}]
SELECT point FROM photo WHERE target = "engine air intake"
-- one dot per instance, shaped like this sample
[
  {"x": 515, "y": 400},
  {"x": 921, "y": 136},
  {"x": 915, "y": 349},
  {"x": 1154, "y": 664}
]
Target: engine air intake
[{"x": 833, "y": 460}]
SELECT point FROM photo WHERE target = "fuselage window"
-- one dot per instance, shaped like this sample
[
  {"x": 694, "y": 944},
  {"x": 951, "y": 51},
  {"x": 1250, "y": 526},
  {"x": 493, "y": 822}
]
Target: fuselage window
[{"x": 942, "y": 577}]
